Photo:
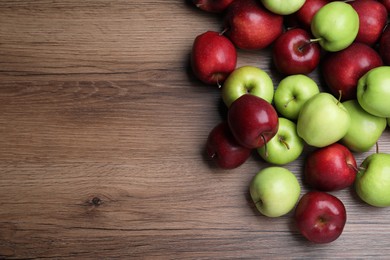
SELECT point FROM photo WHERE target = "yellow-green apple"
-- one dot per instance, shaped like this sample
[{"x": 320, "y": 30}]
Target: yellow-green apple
[
  {"x": 252, "y": 120},
  {"x": 335, "y": 25},
  {"x": 364, "y": 130},
  {"x": 247, "y": 79},
  {"x": 372, "y": 20},
  {"x": 330, "y": 168},
  {"x": 283, "y": 7},
  {"x": 373, "y": 91},
  {"x": 384, "y": 45},
  {"x": 373, "y": 180},
  {"x": 285, "y": 147},
  {"x": 294, "y": 53},
  {"x": 251, "y": 26},
  {"x": 292, "y": 92},
  {"x": 341, "y": 70},
  {"x": 275, "y": 191},
  {"x": 306, "y": 13},
  {"x": 223, "y": 149},
  {"x": 320, "y": 217},
  {"x": 212, "y": 6},
  {"x": 323, "y": 120},
  {"x": 213, "y": 57}
]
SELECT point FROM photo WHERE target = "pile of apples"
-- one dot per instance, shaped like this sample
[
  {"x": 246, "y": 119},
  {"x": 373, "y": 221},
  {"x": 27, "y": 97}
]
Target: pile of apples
[{"x": 349, "y": 43}]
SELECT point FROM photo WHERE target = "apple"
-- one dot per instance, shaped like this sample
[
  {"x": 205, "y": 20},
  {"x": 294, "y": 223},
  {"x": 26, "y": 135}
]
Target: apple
[
  {"x": 330, "y": 168},
  {"x": 251, "y": 26},
  {"x": 386, "y": 3},
  {"x": 323, "y": 120},
  {"x": 294, "y": 53},
  {"x": 223, "y": 149},
  {"x": 341, "y": 70},
  {"x": 372, "y": 20},
  {"x": 306, "y": 13},
  {"x": 373, "y": 91},
  {"x": 373, "y": 180},
  {"x": 335, "y": 25},
  {"x": 275, "y": 191},
  {"x": 320, "y": 217},
  {"x": 247, "y": 80},
  {"x": 283, "y": 7},
  {"x": 364, "y": 130},
  {"x": 285, "y": 147},
  {"x": 212, "y": 6},
  {"x": 292, "y": 92},
  {"x": 384, "y": 46},
  {"x": 213, "y": 57},
  {"x": 252, "y": 120}
]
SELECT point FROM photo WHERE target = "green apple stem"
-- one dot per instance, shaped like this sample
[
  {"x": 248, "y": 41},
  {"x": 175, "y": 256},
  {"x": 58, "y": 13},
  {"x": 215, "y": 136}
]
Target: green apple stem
[
  {"x": 376, "y": 147},
  {"x": 356, "y": 169},
  {"x": 288, "y": 102},
  {"x": 340, "y": 95}
]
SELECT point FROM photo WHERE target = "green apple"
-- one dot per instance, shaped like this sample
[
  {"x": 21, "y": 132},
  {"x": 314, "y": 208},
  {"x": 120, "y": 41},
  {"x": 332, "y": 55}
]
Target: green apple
[
  {"x": 335, "y": 25},
  {"x": 373, "y": 91},
  {"x": 285, "y": 147},
  {"x": 283, "y": 7},
  {"x": 323, "y": 120},
  {"x": 247, "y": 79},
  {"x": 372, "y": 182},
  {"x": 292, "y": 92},
  {"x": 275, "y": 191},
  {"x": 365, "y": 128},
  {"x": 388, "y": 121}
]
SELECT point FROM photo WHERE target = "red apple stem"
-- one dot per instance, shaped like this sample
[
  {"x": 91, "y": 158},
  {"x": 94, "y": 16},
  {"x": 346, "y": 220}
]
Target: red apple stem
[
  {"x": 265, "y": 145},
  {"x": 356, "y": 169},
  {"x": 224, "y": 31}
]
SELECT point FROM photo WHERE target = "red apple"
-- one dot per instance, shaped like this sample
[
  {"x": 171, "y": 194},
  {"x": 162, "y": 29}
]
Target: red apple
[
  {"x": 320, "y": 217},
  {"x": 293, "y": 53},
  {"x": 250, "y": 26},
  {"x": 384, "y": 46},
  {"x": 223, "y": 149},
  {"x": 341, "y": 70},
  {"x": 305, "y": 14},
  {"x": 212, "y": 6},
  {"x": 252, "y": 120},
  {"x": 213, "y": 57},
  {"x": 386, "y": 3},
  {"x": 330, "y": 168},
  {"x": 372, "y": 20}
]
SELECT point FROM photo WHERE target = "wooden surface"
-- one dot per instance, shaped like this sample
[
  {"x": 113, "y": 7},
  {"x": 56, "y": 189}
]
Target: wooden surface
[{"x": 102, "y": 133}]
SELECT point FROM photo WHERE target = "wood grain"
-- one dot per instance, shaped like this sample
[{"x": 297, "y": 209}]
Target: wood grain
[{"x": 102, "y": 133}]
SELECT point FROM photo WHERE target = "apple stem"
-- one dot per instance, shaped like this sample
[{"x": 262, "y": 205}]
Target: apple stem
[
  {"x": 223, "y": 31},
  {"x": 281, "y": 139},
  {"x": 356, "y": 169},
  {"x": 288, "y": 102},
  {"x": 265, "y": 145},
  {"x": 376, "y": 147},
  {"x": 340, "y": 95},
  {"x": 315, "y": 40},
  {"x": 219, "y": 84}
]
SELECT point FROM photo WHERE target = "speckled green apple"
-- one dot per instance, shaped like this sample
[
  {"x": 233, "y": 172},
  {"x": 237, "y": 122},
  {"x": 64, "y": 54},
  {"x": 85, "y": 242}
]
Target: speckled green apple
[
  {"x": 372, "y": 182},
  {"x": 292, "y": 92},
  {"x": 275, "y": 191},
  {"x": 285, "y": 147},
  {"x": 335, "y": 25},
  {"x": 373, "y": 91},
  {"x": 364, "y": 130},
  {"x": 247, "y": 79},
  {"x": 323, "y": 120},
  {"x": 283, "y": 7}
]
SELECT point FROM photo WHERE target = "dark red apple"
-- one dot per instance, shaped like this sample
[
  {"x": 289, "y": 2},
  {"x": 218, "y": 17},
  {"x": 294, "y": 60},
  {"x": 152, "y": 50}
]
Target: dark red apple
[
  {"x": 384, "y": 46},
  {"x": 330, "y": 168},
  {"x": 212, "y": 6},
  {"x": 250, "y": 26},
  {"x": 213, "y": 57},
  {"x": 305, "y": 14},
  {"x": 223, "y": 149},
  {"x": 252, "y": 120},
  {"x": 372, "y": 20},
  {"x": 320, "y": 217},
  {"x": 294, "y": 53},
  {"x": 386, "y": 3},
  {"x": 341, "y": 70}
]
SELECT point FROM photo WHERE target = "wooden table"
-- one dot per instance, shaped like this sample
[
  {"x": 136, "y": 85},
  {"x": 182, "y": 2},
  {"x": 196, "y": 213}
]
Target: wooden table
[{"x": 102, "y": 135}]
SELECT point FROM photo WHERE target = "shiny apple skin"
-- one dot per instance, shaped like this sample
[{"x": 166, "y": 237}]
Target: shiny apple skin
[
  {"x": 320, "y": 217},
  {"x": 253, "y": 121},
  {"x": 330, "y": 168},
  {"x": 292, "y": 52},
  {"x": 342, "y": 70}
]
